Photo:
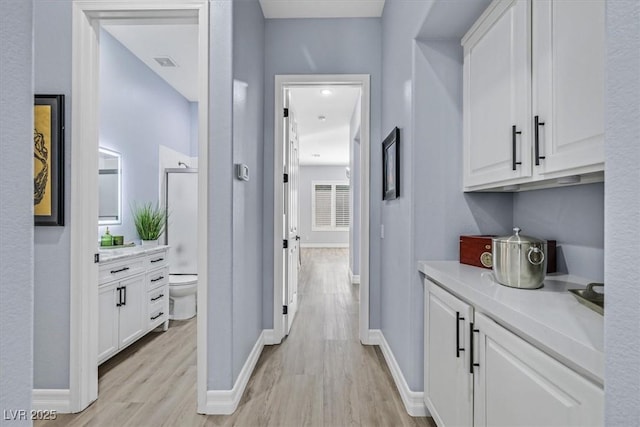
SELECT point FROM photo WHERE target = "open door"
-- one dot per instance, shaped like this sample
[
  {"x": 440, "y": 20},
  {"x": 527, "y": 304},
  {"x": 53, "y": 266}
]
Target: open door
[{"x": 291, "y": 239}]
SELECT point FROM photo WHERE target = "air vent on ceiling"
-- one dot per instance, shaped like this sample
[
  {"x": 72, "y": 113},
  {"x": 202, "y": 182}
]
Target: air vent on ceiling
[{"x": 165, "y": 61}]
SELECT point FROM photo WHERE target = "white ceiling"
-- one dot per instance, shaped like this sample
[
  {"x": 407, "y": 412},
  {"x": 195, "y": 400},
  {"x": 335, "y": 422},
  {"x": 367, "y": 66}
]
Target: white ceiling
[
  {"x": 329, "y": 138},
  {"x": 322, "y": 8},
  {"x": 177, "y": 41}
]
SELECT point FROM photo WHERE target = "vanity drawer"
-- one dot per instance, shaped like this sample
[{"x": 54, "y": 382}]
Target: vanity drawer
[
  {"x": 118, "y": 270},
  {"x": 160, "y": 295},
  {"x": 157, "y": 278},
  {"x": 157, "y": 259},
  {"x": 158, "y": 312}
]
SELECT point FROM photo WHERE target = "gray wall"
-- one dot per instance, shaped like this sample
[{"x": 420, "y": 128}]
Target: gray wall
[
  {"x": 354, "y": 182},
  {"x": 16, "y": 207},
  {"x": 248, "y": 66},
  {"x": 622, "y": 213},
  {"x": 322, "y": 46},
  {"x": 52, "y": 74},
  {"x": 139, "y": 112},
  {"x": 308, "y": 174}
]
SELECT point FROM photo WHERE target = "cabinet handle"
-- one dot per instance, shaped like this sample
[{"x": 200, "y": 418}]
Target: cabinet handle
[
  {"x": 124, "y": 288},
  {"x": 119, "y": 297},
  {"x": 120, "y": 270},
  {"x": 471, "y": 363},
  {"x": 536, "y": 125},
  {"x": 514, "y": 133},
  {"x": 157, "y": 260},
  {"x": 458, "y": 319},
  {"x": 157, "y": 278},
  {"x": 157, "y": 298},
  {"x": 156, "y": 316}
]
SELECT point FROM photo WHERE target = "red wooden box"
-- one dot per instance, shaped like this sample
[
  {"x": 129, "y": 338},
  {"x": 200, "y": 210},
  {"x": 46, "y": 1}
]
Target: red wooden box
[{"x": 476, "y": 250}]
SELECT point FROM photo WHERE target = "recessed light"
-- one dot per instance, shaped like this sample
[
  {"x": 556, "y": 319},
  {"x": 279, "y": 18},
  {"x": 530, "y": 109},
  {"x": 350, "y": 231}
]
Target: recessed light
[
  {"x": 326, "y": 92},
  {"x": 322, "y": 118},
  {"x": 165, "y": 61},
  {"x": 315, "y": 155}
]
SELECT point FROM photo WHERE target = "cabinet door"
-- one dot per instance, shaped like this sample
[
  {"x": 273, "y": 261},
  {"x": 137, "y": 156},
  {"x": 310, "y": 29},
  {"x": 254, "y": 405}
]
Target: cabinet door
[
  {"x": 133, "y": 310},
  {"x": 568, "y": 83},
  {"x": 497, "y": 96},
  {"x": 516, "y": 384},
  {"x": 448, "y": 380},
  {"x": 107, "y": 321}
]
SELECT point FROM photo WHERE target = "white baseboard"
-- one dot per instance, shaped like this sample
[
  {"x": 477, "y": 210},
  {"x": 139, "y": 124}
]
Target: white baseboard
[
  {"x": 58, "y": 400},
  {"x": 324, "y": 245},
  {"x": 224, "y": 402},
  {"x": 354, "y": 278},
  {"x": 413, "y": 400}
]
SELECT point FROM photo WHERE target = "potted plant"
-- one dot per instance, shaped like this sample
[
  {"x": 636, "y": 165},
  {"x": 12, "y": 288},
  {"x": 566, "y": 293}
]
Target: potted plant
[{"x": 150, "y": 222}]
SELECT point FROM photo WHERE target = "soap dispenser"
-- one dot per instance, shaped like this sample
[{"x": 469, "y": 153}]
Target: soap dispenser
[{"x": 106, "y": 239}]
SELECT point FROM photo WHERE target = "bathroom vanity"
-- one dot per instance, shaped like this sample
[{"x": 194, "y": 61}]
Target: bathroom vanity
[{"x": 133, "y": 296}]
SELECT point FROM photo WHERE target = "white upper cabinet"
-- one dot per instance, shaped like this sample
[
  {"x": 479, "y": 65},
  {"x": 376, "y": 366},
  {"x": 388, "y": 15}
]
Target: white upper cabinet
[
  {"x": 534, "y": 93},
  {"x": 568, "y": 84},
  {"x": 496, "y": 86}
]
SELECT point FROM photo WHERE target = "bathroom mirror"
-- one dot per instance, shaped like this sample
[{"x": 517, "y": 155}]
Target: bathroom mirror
[{"x": 110, "y": 187}]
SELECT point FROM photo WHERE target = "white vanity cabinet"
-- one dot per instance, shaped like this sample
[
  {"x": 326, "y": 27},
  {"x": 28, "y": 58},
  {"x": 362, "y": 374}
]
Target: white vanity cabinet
[
  {"x": 133, "y": 298},
  {"x": 534, "y": 94},
  {"x": 479, "y": 373}
]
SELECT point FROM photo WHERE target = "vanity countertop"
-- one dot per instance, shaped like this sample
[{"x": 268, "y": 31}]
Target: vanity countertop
[
  {"x": 112, "y": 254},
  {"x": 550, "y": 317}
]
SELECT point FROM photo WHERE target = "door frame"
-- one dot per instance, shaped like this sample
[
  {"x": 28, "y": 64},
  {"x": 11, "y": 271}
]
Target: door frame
[
  {"x": 283, "y": 82},
  {"x": 87, "y": 15}
]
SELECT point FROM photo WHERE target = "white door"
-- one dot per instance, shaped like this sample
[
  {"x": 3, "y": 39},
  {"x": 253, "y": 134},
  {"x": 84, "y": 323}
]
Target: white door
[
  {"x": 516, "y": 384},
  {"x": 291, "y": 218},
  {"x": 133, "y": 310},
  {"x": 448, "y": 379},
  {"x": 568, "y": 84},
  {"x": 108, "y": 312},
  {"x": 497, "y": 80}
]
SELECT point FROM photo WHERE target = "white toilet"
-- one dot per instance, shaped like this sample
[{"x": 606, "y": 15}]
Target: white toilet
[
  {"x": 182, "y": 238},
  {"x": 182, "y": 296}
]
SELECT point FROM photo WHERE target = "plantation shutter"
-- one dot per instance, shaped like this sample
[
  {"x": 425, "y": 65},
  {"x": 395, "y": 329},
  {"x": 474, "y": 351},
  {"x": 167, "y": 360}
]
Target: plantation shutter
[
  {"x": 322, "y": 211},
  {"x": 342, "y": 206}
]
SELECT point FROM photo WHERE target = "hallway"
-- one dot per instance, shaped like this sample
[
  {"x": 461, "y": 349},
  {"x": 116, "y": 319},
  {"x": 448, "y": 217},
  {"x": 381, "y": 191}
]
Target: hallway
[{"x": 320, "y": 375}]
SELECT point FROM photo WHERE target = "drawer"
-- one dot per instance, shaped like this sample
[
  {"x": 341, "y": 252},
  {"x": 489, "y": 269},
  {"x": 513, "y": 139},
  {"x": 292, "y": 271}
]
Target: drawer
[
  {"x": 157, "y": 260},
  {"x": 158, "y": 313},
  {"x": 157, "y": 278},
  {"x": 122, "y": 269},
  {"x": 160, "y": 295}
]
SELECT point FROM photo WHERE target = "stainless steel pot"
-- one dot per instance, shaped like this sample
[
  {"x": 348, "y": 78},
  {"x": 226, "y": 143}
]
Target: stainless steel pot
[{"x": 519, "y": 261}]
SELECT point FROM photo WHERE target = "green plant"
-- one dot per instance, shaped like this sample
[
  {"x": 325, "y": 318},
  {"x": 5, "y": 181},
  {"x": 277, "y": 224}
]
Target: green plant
[{"x": 150, "y": 221}]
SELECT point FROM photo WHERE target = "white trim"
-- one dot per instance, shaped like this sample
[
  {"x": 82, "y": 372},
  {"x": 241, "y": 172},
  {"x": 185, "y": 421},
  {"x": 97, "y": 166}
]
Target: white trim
[
  {"x": 413, "y": 400},
  {"x": 324, "y": 245},
  {"x": 354, "y": 278},
  {"x": 83, "y": 364},
  {"x": 58, "y": 400},
  {"x": 286, "y": 81},
  {"x": 269, "y": 337},
  {"x": 224, "y": 402}
]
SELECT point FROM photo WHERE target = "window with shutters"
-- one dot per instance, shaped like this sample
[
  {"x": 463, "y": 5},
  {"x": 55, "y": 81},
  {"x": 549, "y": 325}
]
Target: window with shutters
[{"x": 330, "y": 206}]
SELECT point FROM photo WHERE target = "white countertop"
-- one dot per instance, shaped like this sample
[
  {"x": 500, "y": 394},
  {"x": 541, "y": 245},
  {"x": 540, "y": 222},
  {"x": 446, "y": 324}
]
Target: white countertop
[
  {"x": 113, "y": 254},
  {"x": 550, "y": 317}
]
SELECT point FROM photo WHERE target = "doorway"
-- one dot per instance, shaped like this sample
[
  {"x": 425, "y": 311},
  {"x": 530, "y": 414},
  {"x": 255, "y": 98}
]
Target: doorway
[
  {"x": 286, "y": 237},
  {"x": 88, "y": 17}
]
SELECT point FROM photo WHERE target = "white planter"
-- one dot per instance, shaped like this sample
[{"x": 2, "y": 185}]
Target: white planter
[{"x": 149, "y": 242}]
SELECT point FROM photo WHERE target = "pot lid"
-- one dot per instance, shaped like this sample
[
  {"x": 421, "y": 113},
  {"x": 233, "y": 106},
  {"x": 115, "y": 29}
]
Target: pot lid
[{"x": 518, "y": 238}]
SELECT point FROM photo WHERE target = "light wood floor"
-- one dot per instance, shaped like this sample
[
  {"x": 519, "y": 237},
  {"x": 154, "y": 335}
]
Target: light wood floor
[{"x": 319, "y": 376}]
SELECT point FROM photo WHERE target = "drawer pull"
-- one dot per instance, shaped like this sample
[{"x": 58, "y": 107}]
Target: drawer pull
[
  {"x": 157, "y": 298},
  {"x": 157, "y": 260},
  {"x": 120, "y": 270},
  {"x": 157, "y": 315},
  {"x": 157, "y": 278}
]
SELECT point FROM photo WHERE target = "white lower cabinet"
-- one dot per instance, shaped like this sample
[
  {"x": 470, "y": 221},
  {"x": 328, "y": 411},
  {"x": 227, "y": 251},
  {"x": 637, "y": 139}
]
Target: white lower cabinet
[{"x": 479, "y": 373}]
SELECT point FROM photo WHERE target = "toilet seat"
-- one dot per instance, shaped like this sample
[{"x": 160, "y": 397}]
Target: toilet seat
[{"x": 179, "y": 280}]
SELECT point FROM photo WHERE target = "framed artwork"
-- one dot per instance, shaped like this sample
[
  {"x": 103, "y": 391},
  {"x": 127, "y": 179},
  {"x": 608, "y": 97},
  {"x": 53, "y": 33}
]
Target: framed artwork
[
  {"x": 391, "y": 165},
  {"x": 48, "y": 160}
]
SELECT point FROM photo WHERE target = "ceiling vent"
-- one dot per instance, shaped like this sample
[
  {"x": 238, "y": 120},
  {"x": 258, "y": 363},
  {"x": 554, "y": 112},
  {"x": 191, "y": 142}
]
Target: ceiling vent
[{"x": 165, "y": 61}]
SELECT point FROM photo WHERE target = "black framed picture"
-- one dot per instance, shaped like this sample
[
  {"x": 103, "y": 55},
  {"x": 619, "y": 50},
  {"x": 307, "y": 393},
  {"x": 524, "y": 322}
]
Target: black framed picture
[
  {"x": 391, "y": 165},
  {"x": 48, "y": 160}
]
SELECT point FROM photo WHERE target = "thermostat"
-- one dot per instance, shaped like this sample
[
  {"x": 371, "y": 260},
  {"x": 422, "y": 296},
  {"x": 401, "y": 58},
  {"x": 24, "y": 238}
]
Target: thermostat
[{"x": 242, "y": 172}]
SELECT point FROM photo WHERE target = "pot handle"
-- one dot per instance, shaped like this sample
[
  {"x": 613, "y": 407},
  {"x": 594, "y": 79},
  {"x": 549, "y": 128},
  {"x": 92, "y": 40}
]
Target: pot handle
[{"x": 535, "y": 250}]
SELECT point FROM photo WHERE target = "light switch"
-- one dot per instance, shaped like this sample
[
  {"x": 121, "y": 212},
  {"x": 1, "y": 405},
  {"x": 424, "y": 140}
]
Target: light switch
[{"x": 382, "y": 231}]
